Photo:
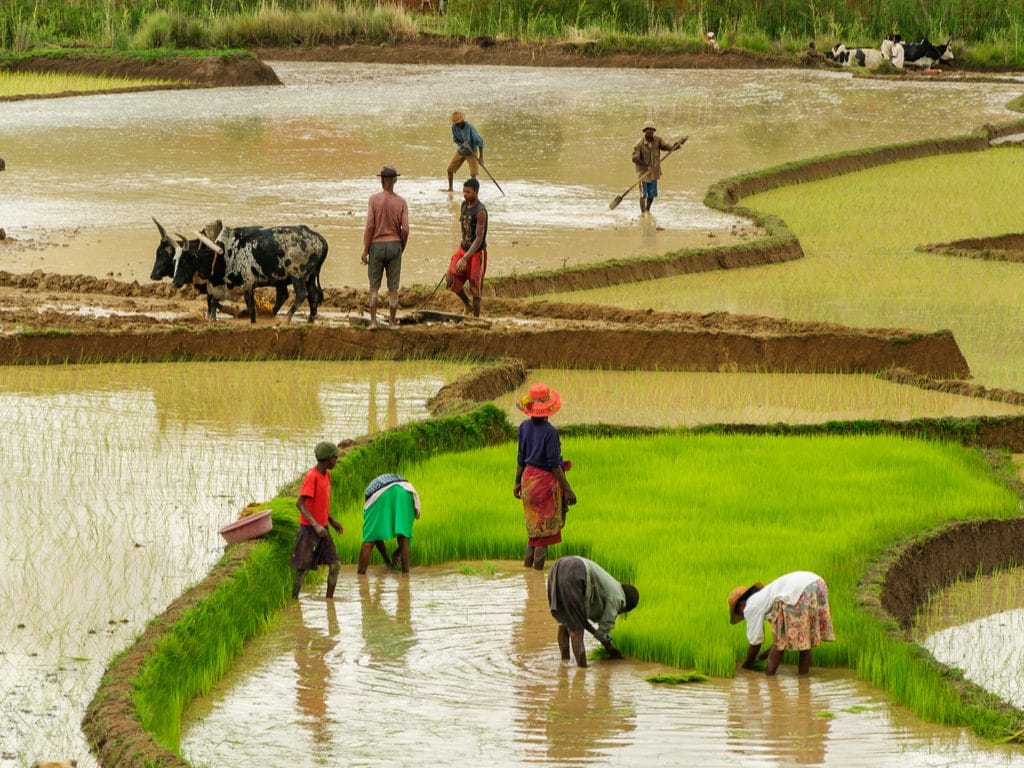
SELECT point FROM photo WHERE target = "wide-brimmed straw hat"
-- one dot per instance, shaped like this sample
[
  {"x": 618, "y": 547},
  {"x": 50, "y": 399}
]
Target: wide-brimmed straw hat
[
  {"x": 542, "y": 401},
  {"x": 738, "y": 595},
  {"x": 649, "y": 124},
  {"x": 457, "y": 116}
]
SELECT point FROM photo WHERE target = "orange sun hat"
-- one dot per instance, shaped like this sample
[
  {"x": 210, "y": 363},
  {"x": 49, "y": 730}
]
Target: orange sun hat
[{"x": 541, "y": 402}]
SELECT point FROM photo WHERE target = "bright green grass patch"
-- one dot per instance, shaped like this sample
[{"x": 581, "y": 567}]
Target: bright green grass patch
[
  {"x": 46, "y": 83},
  {"x": 671, "y": 678},
  {"x": 859, "y": 232},
  {"x": 687, "y": 517}
]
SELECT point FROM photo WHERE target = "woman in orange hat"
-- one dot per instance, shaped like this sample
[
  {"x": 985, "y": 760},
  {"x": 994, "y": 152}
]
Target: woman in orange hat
[
  {"x": 540, "y": 475},
  {"x": 796, "y": 606}
]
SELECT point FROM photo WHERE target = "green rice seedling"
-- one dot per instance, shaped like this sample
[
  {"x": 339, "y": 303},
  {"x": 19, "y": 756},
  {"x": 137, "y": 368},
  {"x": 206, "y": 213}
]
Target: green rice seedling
[
  {"x": 861, "y": 268},
  {"x": 825, "y": 714},
  {"x": 46, "y": 83},
  {"x": 722, "y": 511},
  {"x": 676, "y": 678}
]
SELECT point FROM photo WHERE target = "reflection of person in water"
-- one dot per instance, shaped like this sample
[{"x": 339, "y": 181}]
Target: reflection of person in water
[
  {"x": 387, "y": 637},
  {"x": 779, "y": 715},
  {"x": 574, "y": 717},
  {"x": 311, "y": 649}
]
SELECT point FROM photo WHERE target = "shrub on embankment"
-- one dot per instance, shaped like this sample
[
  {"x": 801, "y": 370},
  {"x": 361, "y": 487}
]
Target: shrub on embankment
[{"x": 991, "y": 30}]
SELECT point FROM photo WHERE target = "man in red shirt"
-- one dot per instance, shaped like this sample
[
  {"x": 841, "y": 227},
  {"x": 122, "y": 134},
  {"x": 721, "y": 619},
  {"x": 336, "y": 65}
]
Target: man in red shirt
[
  {"x": 384, "y": 239},
  {"x": 314, "y": 545}
]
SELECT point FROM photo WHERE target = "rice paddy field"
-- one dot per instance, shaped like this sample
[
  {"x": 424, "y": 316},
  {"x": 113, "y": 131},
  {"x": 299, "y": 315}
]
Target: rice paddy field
[
  {"x": 18, "y": 84},
  {"x": 687, "y": 399},
  {"x": 859, "y": 232},
  {"x": 116, "y": 480}
]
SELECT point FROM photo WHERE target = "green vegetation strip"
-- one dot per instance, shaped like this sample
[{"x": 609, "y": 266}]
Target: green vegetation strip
[{"x": 13, "y": 84}]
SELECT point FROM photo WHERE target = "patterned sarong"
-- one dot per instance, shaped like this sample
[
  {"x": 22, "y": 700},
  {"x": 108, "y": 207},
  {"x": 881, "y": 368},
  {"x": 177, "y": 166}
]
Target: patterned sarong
[
  {"x": 542, "y": 506},
  {"x": 391, "y": 506},
  {"x": 805, "y": 625}
]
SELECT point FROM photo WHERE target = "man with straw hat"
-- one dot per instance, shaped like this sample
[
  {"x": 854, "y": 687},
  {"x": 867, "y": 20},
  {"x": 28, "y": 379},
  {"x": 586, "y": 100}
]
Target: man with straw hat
[
  {"x": 647, "y": 161},
  {"x": 314, "y": 545},
  {"x": 796, "y": 606},
  {"x": 467, "y": 143},
  {"x": 384, "y": 240},
  {"x": 540, "y": 475},
  {"x": 581, "y": 591}
]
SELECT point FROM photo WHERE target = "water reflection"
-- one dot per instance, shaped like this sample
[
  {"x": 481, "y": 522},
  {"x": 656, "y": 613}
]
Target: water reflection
[
  {"x": 475, "y": 678},
  {"x": 558, "y": 141},
  {"x": 777, "y": 718},
  {"x": 115, "y": 481},
  {"x": 312, "y": 649}
]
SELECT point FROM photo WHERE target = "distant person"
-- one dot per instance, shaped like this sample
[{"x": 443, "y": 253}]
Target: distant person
[
  {"x": 647, "y": 161},
  {"x": 897, "y": 52},
  {"x": 384, "y": 241},
  {"x": 467, "y": 144},
  {"x": 314, "y": 545},
  {"x": 540, "y": 475},
  {"x": 796, "y": 606},
  {"x": 581, "y": 591},
  {"x": 390, "y": 507},
  {"x": 469, "y": 263}
]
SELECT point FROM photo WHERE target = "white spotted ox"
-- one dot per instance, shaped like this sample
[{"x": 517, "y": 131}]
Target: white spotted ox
[
  {"x": 168, "y": 252},
  {"x": 871, "y": 58},
  {"x": 248, "y": 257},
  {"x": 925, "y": 54}
]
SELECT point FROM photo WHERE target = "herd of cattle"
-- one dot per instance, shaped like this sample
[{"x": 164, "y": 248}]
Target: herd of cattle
[
  {"x": 220, "y": 259},
  {"x": 922, "y": 55}
]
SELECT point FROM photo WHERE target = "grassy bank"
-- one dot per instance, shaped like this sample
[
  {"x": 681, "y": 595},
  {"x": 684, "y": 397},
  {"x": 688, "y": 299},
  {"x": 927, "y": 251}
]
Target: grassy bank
[{"x": 986, "y": 33}]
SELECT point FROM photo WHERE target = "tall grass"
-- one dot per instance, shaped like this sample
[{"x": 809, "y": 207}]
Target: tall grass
[
  {"x": 638, "y": 25},
  {"x": 687, "y": 517}
]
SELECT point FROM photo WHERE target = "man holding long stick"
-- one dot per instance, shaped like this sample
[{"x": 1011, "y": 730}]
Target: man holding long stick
[
  {"x": 467, "y": 143},
  {"x": 647, "y": 160}
]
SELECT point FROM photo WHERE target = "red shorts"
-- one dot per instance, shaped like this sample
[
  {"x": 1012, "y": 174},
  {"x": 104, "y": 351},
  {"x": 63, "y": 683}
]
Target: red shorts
[{"x": 474, "y": 274}]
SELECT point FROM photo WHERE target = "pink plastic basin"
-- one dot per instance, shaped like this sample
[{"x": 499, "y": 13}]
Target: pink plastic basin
[{"x": 251, "y": 527}]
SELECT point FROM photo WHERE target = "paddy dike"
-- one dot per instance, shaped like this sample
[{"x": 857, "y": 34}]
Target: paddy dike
[
  {"x": 61, "y": 319},
  {"x": 1001, "y": 248}
]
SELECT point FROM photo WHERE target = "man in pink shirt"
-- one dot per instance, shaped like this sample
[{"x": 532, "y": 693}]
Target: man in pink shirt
[{"x": 387, "y": 231}]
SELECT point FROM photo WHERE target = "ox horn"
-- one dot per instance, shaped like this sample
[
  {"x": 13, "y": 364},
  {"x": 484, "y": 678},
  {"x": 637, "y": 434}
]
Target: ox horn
[
  {"x": 209, "y": 243},
  {"x": 163, "y": 232}
]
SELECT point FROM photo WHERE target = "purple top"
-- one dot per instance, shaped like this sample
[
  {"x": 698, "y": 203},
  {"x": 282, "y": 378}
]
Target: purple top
[{"x": 539, "y": 445}]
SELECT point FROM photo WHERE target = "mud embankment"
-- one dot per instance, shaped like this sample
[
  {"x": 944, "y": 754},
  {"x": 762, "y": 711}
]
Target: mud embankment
[{"x": 1000, "y": 248}]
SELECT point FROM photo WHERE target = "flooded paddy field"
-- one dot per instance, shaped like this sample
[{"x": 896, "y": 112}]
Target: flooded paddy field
[
  {"x": 116, "y": 480},
  {"x": 85, "y": 175},
  {"x": 686, "y": 399},
  {"x": 862, "y": 269},
  {"x": 976, "y": 626},
  {"x": 465, "y": 657}
]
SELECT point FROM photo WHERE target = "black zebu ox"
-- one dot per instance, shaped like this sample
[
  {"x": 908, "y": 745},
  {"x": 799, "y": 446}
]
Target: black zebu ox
[
  {"x": 246, "y": 258},
  {"x": 168, "y": 252}
]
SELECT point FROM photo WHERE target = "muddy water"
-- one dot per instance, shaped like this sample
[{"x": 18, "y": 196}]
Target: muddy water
[
  {"x": 115, "y": 481},
  {"x": 84, "y": 175},
  {"x": 401, "y": 671},
  {"x": 976, "y": 626},
  {"x": 668, "y": 398}
]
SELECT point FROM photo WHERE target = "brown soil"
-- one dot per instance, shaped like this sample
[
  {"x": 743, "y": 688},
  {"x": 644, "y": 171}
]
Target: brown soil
[
  {"x": 1002, "y": 248},
  {"x": 482, "y": 384},
  {"x": 52, "y": 318}
]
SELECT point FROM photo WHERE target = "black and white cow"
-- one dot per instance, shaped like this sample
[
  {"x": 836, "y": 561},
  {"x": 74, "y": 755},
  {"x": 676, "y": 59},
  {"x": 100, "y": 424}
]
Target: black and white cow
[
  {"x": 170, "y": 249},
  {"x": 246, "y": 258},
  {"x": 871, "y": 58},
  {"x": 924, "y": 53}
]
